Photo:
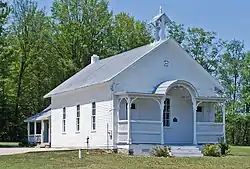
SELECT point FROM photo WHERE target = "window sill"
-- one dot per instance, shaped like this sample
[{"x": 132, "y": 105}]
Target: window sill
[
  {"x": 63, "y": 133},
  {"x": 93, "y": 131},
  {"x": 77, "y": 132},
  {"x": 167, "y": 127}
]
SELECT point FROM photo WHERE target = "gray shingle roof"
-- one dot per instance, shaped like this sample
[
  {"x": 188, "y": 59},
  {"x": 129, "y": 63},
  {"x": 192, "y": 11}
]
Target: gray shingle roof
[
  {"x": 43, "y": 115},
  {"x": 103, "y": 70}
]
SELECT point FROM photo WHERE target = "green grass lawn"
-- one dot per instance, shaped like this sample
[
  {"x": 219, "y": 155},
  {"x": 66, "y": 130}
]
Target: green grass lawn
[
  {"x": 239, "y": 158},
  {"x": 9, "y": 144}
]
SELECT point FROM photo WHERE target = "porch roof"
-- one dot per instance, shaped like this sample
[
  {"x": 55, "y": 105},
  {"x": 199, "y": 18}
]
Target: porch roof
[
  {"x": 43, "y": 115},
  {"x": 165, "y": 86},
  {"x": 211, "y": 99},
  {"x": 137, "y": 94}
]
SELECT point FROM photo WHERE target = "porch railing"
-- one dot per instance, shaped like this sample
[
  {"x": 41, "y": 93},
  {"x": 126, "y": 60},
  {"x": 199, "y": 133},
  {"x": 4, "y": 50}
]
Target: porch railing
[
  {"x": 142, "y": 131},
  {"x": 34, "y": 138},
  {"x": 209, "y": 132}
]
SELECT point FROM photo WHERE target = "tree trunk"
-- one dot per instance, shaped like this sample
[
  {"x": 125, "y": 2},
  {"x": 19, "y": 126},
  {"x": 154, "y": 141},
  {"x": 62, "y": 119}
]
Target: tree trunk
[{"x": 15, "y": 136}]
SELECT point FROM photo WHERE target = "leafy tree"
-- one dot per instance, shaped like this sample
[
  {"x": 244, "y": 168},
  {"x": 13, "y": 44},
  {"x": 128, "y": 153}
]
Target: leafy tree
[
  {"x": 245, "y": 81},
  {"x": 26, "y": 37},
  {"x": 177, "y": 32},
  {"x": 231, "y": 63},
  {"x": 81, "y": 29},
  {"x": 128, "y": 33},
  {"x": 204, "y": 47}
]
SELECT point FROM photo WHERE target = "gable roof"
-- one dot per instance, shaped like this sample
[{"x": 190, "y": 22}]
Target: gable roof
[
  {"x": 103, "y": 70},
  {"x": 106, "y": 69},
  {"x": 205, "y": 72},
  {"x": 43, "y": 115}
]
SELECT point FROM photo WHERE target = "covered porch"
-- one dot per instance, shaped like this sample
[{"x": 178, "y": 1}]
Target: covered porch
[
  {"x": 172, "y": 115},
  {"x": 38, "y": 127}
]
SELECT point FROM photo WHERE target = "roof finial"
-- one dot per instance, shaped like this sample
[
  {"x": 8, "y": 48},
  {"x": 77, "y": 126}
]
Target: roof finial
[{"x": 160, "y": 11}]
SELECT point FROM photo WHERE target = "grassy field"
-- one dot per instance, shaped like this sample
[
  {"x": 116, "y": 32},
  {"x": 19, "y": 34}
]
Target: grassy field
[
  {"x": 9, "y": 144},
  {"x": 239, "y": 158}
]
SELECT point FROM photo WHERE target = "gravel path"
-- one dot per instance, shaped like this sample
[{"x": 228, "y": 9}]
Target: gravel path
[{"x": 11, "y": 151}]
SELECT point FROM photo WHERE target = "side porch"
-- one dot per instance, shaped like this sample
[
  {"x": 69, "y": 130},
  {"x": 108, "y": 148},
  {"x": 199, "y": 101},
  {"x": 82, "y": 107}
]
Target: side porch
[
  {"x": 38, "y": 127},
  {"x": 175, "y": 115}
]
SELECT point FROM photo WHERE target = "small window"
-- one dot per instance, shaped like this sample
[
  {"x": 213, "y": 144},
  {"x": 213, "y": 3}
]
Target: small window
[
  {"x": 166, "y": 113},
  {"x": 132, "y": 106},
  {"x": 64, "y": 120},
  {"x": 126, "y": 107},
  {"x": 93, "y": 117},
  {"x": 199, "y": 109},
  {"x": 38, "y": 127},
  {"x": 78, "y": 118},
  {"x": 32, "y": 128}
]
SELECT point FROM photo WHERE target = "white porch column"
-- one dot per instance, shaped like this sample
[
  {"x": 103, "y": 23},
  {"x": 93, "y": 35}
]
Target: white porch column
[
  {"x": 42, "y": 131},
  {"x": 129, "y": 119},
  {"x": 35, "y": 131},
  {"x": 28, "y": 128},
  {"x": 194, "y": 119},
  {"x": 162, "y": 127},
  {"x": 49, "y": 129},
  {"x": 224, "y": 121}
]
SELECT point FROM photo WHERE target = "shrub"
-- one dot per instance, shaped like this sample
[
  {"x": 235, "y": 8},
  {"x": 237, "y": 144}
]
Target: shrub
[
  {"x": 130, "y": 152},
  {"x": 225, "y": 148},
  {"x": 161, "y": 152},
  {"x": 212, "y": 150},
  {"x": 25, "y": 143}
]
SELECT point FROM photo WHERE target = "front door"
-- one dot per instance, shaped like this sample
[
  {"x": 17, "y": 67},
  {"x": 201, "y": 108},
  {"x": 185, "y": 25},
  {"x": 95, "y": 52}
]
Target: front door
[
  {"x": 46, "y": 131},
  {"x": 178, "y": 119}
]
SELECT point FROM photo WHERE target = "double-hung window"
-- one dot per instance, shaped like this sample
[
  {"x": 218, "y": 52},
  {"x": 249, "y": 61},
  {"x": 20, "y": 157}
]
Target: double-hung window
[
  {"x": 64, "y": 120},
  {"x": 166, "y": 113},
  {"x": 93, "y": 117},
  {"x": 78, "y": 118}
]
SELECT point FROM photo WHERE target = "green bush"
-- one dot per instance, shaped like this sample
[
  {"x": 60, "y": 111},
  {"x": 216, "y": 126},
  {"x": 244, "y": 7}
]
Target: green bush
[
  {"x": 161, "y": 151},
  {"x": 25, "y": 143},
  {"x": 225, "y": 148},
  {"x": 212, "y": 150}
]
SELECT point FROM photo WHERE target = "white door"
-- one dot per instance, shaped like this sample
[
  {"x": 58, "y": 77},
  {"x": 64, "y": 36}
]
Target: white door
[{"x": 178, "y": 119}]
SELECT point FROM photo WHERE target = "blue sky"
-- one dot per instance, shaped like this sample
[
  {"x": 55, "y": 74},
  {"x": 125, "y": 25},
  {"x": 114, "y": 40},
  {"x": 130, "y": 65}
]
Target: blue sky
[{"x": 228, "y": 18}]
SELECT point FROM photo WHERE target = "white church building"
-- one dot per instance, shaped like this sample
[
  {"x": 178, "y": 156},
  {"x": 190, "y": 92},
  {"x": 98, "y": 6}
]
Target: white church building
[{"x": 153, "y": 95}]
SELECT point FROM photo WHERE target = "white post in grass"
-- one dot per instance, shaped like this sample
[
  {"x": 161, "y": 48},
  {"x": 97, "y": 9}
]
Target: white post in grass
[{"x": 80, "y": 153}]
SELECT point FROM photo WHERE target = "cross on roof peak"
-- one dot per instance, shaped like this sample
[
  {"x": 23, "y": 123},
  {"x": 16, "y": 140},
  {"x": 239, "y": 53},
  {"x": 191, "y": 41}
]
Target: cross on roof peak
[
  {"x": 160, "y": 23},
  {"x": 161, "y": 10}
]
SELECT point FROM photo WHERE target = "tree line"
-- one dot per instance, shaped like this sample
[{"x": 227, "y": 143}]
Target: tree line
[{"x": 39, "y": 51}]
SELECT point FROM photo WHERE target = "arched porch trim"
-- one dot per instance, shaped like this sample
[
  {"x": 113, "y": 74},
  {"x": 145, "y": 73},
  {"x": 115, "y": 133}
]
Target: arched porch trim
[{"x": 165, "y": 87}]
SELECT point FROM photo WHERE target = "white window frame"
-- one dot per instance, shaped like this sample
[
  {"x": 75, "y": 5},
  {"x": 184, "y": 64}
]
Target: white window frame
[
  {"x": 166, "y": 113},
  {"x": 34, "y": 132},
  {"x": 78, "y": 116},
  {"x": 93, "y": 117},
  {"x": 64, "y": 120}
]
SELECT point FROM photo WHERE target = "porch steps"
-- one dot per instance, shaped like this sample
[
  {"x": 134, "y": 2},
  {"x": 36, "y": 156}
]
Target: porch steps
[
  {"x": 44, "y": 145},
  {"x": 186, "y": 151}
]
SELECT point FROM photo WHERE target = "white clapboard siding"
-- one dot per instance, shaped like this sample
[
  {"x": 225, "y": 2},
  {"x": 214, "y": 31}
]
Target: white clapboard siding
[
  {"x": 152, "y": 70},
  {"x": 73, "y": 138}
]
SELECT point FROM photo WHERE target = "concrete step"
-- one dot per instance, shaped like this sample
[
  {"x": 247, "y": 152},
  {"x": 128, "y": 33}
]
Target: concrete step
[
  {"x": 189, "y": 155},
  {"x": 43, "y": 145},
  {"x": 186, "y": 151}
]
